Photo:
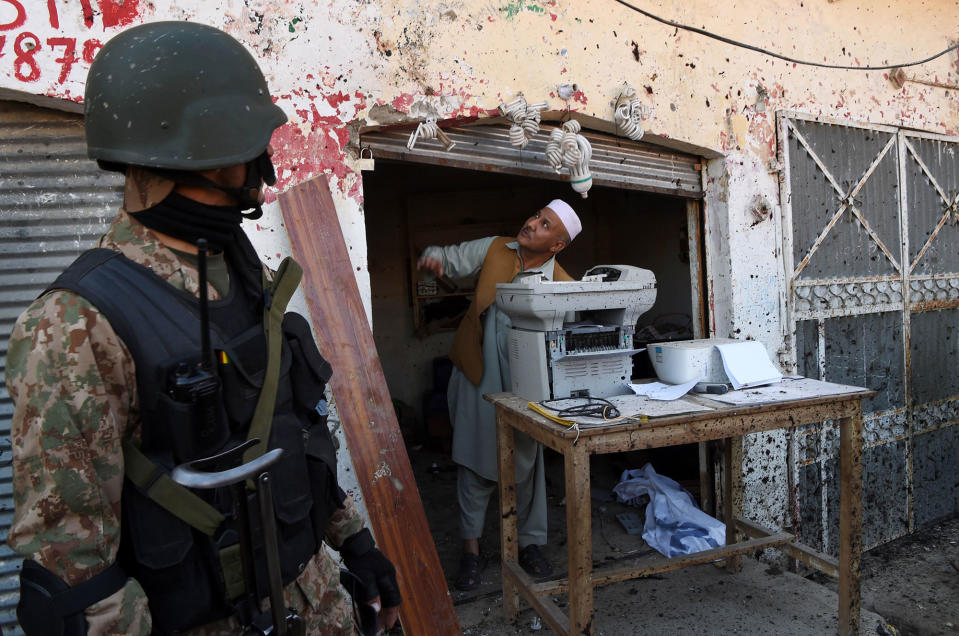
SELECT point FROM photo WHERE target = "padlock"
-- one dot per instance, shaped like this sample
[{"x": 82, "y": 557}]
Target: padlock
[{"x": 366, "y": 163}]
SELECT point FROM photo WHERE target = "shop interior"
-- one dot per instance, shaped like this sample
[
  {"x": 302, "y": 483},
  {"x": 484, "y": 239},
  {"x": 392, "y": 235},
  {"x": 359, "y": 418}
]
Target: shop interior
[{"x": 410, "y": 206}]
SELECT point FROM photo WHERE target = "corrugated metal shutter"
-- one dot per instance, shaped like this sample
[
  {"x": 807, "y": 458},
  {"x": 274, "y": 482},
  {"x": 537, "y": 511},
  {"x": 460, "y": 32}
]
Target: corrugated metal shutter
[
  {"x": 54, "y": 203},
  {"x": 616, "y": 162}
]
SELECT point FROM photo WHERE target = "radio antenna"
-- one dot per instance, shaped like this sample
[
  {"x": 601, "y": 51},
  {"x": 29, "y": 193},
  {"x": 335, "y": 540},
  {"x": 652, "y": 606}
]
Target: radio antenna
[{"x": 206, "y": 351}]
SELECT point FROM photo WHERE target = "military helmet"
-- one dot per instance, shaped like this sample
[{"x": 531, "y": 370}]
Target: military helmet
[{"x": 177, "y": 96}]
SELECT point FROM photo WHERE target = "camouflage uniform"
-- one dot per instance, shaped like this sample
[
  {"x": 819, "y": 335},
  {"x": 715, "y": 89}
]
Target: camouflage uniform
[{"x": 74, "y": 388}]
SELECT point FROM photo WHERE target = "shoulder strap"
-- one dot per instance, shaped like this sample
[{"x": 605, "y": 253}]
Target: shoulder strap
[
  {"x": 65, "y": 600},
  {"x": 278, "y": 295},
  {"x": 166, "y": 493}
]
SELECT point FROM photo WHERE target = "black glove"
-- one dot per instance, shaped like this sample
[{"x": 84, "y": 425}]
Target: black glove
[{"x": 375, "y": 572}]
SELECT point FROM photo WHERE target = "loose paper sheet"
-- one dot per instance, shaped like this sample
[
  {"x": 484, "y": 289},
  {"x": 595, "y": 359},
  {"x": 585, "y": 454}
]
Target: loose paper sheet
[
  {"x": 663, "y": 391},
  {"x": 788, "y": 389},
  {"x": 747, "y": 364}
]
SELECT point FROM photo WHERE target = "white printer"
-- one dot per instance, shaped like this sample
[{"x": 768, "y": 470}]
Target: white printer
[
  {"x": 575, "y": 338},
  {"x": 686, "y": 360},
  {"x": 741, "y": 363}
]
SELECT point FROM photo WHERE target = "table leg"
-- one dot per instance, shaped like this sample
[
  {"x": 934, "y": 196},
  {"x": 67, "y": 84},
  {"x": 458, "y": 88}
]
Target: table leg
[
  {"x": 850, "y": 520},
  {"x": 732, "y": 495},
  {"x": 579, "y": 531},
  {"x": 509, "y": 551},
  {"x": 705, "y": 480}
]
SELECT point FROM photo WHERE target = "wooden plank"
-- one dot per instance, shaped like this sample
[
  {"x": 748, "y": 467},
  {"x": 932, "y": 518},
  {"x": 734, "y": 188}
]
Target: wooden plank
[
  {"x": 657, "y": 564},
  {"x": 813, "y": 558},
  {"x": 579, "y": 540},
  {"x": 850, "y": 521},
  {"x": 509, "y": 524},
  {"x": 363, "y": 403},
  {"x": 543, "y": 605}
]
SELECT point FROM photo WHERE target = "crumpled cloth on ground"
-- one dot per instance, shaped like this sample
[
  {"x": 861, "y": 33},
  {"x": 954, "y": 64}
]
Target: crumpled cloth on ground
[{"x": 674, "y": 523}]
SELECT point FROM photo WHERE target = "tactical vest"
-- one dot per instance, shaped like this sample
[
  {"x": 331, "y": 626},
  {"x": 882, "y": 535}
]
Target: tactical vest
[{"x": 183, "y": 548}]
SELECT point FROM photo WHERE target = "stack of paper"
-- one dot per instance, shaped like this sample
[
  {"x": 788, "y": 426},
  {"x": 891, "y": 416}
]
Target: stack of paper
[{"x": 747, "y": 364}]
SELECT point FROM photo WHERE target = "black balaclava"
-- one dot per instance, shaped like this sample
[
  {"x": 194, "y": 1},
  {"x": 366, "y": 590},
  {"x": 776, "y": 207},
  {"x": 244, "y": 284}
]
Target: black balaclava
[
  {"x": 258, "y": 171},
  {"x": 189, "y": 220}
]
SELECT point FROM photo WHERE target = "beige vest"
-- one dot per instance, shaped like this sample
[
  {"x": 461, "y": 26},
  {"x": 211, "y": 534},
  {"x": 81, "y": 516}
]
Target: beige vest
[{"x": 501, "y": 265}]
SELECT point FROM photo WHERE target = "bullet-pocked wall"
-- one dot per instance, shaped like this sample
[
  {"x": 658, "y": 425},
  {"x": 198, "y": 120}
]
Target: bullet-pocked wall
[{"x": 335, "y": 67}]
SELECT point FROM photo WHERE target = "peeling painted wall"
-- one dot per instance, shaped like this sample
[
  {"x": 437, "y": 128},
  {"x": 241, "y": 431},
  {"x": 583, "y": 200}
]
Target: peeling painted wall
[{"x": 338, "y": 65}]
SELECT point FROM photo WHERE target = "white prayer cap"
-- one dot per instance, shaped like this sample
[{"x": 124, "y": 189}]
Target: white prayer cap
[{"x": 567, "y": 215}]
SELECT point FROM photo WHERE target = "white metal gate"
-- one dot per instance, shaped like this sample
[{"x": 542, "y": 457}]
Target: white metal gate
[{"x": 870, "y": 232}]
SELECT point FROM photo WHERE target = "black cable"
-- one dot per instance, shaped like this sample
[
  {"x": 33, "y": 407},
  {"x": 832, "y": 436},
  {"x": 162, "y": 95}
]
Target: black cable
[
  {"x": 778, "y": 55},
  {"x": 593, "y": 407}
]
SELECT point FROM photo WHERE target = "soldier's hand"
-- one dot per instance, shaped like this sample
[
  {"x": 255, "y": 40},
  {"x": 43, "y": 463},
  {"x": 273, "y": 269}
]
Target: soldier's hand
[
  {"x": 376, "y": 574},
  {"x": 432, "y": 266},
  {"x": 386, "y": 615}
]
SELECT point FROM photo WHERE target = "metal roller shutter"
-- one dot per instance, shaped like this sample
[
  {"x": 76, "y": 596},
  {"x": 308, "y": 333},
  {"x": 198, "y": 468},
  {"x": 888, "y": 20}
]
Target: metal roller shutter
[
  {"x": 54, "y": 203},
  {"x": 616, "y": 162}
]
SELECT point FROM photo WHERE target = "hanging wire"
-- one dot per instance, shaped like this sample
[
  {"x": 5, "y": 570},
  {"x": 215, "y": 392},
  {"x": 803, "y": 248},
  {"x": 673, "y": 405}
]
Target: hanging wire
[{"x": 757, "y": 49}]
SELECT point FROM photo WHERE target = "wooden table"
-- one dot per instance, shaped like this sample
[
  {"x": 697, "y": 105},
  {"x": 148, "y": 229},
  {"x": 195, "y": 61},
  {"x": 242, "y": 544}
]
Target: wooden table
[{"x": 723, "y": 422}]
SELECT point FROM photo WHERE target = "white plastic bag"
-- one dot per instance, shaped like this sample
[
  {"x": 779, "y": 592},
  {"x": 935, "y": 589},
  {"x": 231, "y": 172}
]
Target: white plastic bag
[{"x": 674, "y": 524}]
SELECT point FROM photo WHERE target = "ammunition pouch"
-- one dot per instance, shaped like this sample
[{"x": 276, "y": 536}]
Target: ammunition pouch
[{"x": 309, "y": 374}]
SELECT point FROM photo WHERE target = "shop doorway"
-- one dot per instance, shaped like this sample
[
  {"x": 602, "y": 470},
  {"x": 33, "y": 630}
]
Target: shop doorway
[{"x": 409, "y": 205}]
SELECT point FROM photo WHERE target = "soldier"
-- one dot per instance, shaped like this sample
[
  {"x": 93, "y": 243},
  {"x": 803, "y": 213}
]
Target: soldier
[
  {"x": 481, "y": 365},
  {"x": 101, "y": 370}
]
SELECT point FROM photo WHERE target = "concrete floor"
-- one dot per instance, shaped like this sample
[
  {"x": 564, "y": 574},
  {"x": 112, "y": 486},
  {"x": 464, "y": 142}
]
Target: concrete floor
[
  {"x": 699, "y": 600},
  {"x": 914, "y": 581},
  {"x": 909, "y": 586}
]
